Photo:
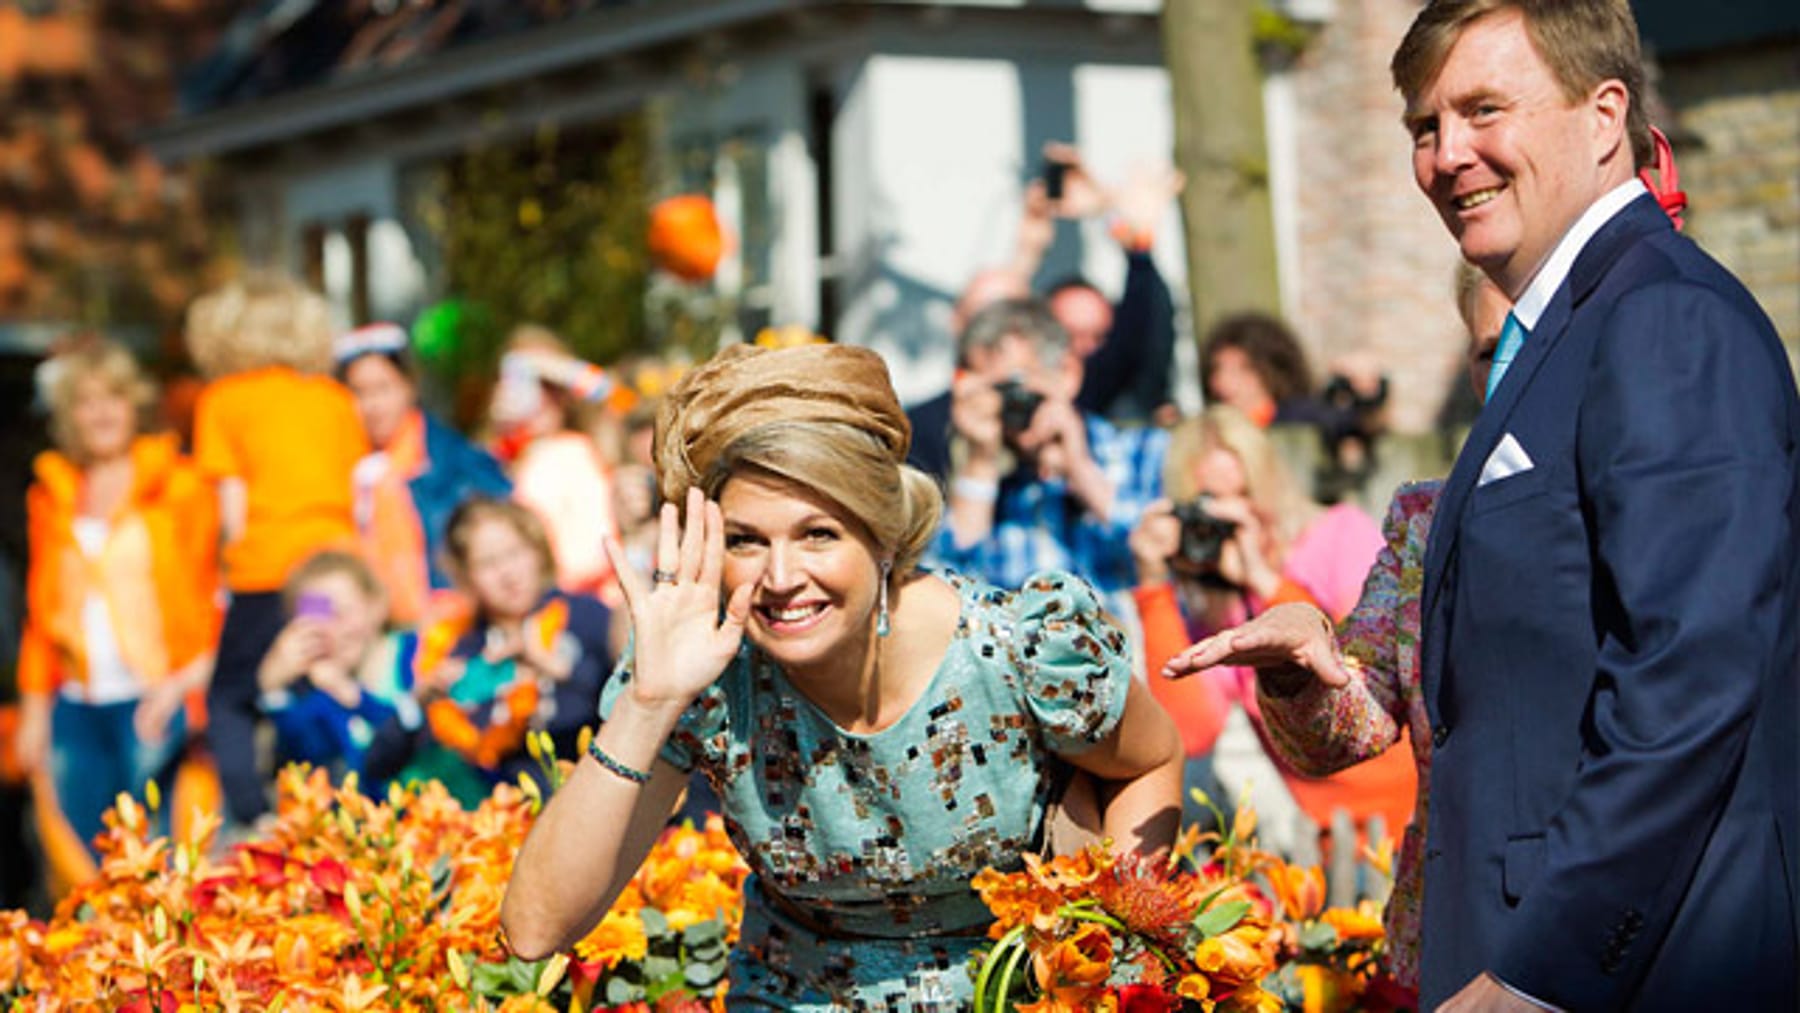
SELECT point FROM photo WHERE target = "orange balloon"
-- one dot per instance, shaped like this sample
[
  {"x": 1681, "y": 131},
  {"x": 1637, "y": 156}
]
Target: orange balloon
[{"x": 686, "y": 239}]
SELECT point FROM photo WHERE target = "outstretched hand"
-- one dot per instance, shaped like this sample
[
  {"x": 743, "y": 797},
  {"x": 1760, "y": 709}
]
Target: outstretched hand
[
  {"x": 682, "y": 643},
  {"x": 1285, "y": 637}
]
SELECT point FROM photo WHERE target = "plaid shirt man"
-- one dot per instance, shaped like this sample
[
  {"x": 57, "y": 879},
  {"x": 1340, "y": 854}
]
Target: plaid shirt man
[{"x": 1039, "y": 525}]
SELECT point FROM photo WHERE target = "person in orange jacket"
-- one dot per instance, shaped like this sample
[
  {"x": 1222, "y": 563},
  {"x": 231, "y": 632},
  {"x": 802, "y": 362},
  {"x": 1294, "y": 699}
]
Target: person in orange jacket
[{"x": 121, "y": 595}]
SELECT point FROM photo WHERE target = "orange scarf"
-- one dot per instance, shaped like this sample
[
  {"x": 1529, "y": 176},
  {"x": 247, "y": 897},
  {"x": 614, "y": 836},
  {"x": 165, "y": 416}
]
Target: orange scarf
[
  {"x": 392, "y": 538},
  {"x": 451, "y": 725}
]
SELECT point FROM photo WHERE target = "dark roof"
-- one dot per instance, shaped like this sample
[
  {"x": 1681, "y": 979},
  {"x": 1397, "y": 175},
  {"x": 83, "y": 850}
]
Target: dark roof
[
  {"x": 278, "y": 46},
  {"x": 1684, "y": 27}
]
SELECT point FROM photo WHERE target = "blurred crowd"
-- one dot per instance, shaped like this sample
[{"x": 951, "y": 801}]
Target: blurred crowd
[{"x": 323, "y": 570}]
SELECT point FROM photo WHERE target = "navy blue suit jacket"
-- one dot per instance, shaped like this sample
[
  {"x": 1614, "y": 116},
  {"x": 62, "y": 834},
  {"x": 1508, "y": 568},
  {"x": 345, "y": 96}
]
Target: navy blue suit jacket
[{"x": 1610, "y": 652}]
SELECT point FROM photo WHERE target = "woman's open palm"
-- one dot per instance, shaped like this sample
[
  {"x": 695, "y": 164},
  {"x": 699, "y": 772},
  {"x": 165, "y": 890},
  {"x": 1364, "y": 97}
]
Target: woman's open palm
[{"x": 680, "y": 641}]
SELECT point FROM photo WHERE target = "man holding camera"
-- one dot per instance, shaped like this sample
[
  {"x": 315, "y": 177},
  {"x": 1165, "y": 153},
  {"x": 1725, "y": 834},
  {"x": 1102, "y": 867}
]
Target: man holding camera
[{"x": 1038, "y": 483}]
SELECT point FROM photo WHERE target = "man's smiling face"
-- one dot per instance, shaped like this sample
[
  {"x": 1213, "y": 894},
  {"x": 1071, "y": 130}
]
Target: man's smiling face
[{"x": 1508, "y": 161}]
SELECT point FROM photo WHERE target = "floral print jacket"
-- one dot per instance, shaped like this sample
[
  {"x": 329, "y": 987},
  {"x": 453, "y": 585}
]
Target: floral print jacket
[{"x": 1321, "y": 730}]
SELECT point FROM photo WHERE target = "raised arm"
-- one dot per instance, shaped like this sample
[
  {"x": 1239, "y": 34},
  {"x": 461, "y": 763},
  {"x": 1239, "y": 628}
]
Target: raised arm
[{"x": 596, "y": 830}]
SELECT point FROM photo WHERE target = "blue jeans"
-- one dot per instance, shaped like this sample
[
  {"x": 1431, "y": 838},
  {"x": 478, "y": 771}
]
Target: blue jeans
[{"x": 96, "y": 754}]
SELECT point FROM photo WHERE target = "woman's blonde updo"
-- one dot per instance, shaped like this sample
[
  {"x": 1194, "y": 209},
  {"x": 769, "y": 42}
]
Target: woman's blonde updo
[{"x": 821, "y": 416}]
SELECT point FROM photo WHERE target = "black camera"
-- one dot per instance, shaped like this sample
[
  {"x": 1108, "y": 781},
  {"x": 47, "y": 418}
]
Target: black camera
[
  {"x": 1203, "y": 535},
  {"x": 1053, "y": 175},
  {"x": 1349, "y": 423},
  {"x": 1342, "y": 397},
  {"x": 1018, "y": 403}
]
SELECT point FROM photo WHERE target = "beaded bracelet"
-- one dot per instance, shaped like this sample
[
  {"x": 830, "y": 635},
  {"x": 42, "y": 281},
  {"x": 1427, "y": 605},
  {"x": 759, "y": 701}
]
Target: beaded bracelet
[{"x": 632, "y": 774}]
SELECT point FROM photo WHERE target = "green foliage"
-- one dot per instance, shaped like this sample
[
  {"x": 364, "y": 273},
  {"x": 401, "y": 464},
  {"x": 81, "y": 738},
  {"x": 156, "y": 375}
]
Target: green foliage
[
  {"x": 1272, "y": 29},
  {"x": 1220, "y": 920},
  {"x": 513, "y": 977},
  {"x": 676, "y": 964},
  {"x": 550, "y": 232}
]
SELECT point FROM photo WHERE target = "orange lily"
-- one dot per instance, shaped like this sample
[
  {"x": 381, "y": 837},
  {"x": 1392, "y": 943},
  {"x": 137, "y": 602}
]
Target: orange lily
[{"x": 1301, "y": 892}]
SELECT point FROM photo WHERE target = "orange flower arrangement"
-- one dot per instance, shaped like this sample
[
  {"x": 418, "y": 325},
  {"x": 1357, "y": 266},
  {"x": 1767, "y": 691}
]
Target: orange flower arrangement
[
  {"x": 1107, "y": 932},
  {"x": 350, "y": 903},
  {"x": 1122, "y": 934}
]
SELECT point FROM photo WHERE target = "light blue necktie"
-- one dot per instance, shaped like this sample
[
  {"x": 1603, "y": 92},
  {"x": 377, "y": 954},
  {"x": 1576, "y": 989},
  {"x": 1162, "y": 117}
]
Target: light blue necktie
[{"x": 1512, "y": 338}]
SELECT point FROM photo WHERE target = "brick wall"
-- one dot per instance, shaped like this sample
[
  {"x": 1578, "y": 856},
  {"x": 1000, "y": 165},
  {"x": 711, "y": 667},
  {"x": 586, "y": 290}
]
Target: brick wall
[
  {"x": 1737, "y": 137},
  {"x": 1375, "y": 263}
]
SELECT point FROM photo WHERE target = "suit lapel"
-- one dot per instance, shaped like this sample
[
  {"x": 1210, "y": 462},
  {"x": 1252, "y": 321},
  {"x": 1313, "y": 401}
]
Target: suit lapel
[{"x": 1635, "y": 220}]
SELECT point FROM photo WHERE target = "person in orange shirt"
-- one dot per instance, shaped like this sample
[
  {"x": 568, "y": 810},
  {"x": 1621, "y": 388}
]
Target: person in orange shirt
[
  {"x": 1255, "y": 364},
  {"x": 121, "y": 594},
  {"x": 280, "y": 438}
]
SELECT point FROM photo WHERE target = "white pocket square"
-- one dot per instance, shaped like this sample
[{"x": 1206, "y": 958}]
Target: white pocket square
[{"x": 1508, "y": 459}]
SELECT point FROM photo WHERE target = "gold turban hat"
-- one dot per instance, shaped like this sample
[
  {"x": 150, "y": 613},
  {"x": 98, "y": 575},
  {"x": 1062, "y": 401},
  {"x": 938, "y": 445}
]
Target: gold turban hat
[{"x": 744, "y": 388}]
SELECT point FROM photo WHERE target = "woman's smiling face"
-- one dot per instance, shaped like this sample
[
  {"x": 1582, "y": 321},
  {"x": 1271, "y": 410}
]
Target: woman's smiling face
[{"x": 815, "y": 575}]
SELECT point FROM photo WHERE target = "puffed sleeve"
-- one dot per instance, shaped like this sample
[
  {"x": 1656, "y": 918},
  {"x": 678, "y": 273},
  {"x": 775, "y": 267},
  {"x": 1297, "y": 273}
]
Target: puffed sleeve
[
  {"x": 702, "y": 728},
  {"x": 1074, "y": 662}
]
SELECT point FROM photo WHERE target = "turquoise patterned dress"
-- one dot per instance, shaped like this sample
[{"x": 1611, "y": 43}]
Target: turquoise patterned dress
[{"x": 868, "y": 842}]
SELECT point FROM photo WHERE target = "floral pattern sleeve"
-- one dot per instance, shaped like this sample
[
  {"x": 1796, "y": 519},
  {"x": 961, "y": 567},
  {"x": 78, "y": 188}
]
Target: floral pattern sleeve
[
  {"x": 1073, "y": 662},
  {"x": 1321, "y": 730}
]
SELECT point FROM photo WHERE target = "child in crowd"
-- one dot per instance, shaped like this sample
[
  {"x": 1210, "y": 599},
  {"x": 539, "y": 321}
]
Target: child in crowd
[
  {"x": 280, "y": 439},
  {"x": 327, "y": 681},
  {"x": 530, "y": 658}
]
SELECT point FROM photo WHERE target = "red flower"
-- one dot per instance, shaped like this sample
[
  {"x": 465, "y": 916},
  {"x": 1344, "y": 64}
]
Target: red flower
[
  {"x": 1383, "y": 994},
  {"x": 270, "y": 865},
  {"x": 206, "y": 892},
  {"x": 330, "y": 875},
  {"x": 163, "y": 1001},
  {"x": 1145, "y": 999}
]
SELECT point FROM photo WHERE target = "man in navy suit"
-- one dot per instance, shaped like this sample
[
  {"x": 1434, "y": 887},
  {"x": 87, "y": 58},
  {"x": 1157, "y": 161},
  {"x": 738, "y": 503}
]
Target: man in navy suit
[
  {"x": 1609, "y": 651},
  {"x": 1611, "y": 591}
]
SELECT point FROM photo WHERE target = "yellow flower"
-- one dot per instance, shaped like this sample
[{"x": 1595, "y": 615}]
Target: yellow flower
[
  {"x": 1193, "y": 986},
  {"x": 1355, "y": 924},
  {"x": 619, "y": 936}
]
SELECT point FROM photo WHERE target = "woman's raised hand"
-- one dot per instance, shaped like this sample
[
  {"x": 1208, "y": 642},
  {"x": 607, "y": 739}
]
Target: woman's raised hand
[{"x": 681, "y": 643}]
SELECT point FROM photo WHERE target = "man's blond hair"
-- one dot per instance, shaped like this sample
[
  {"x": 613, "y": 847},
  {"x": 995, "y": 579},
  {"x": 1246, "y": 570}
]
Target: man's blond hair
[{"x": 1583, "y": 42}]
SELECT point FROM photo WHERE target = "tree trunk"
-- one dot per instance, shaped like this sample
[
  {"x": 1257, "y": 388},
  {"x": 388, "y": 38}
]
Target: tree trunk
[{"x": 1215, "y": 81}]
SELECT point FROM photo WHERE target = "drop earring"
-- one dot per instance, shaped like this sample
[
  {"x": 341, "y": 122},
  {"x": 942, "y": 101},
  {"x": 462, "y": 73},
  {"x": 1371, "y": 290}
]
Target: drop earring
[{"x": 881, "y": 614}]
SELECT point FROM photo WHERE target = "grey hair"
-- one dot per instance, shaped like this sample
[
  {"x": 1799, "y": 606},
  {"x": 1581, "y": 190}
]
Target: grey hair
[{"x": 1026, "y": 319}]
